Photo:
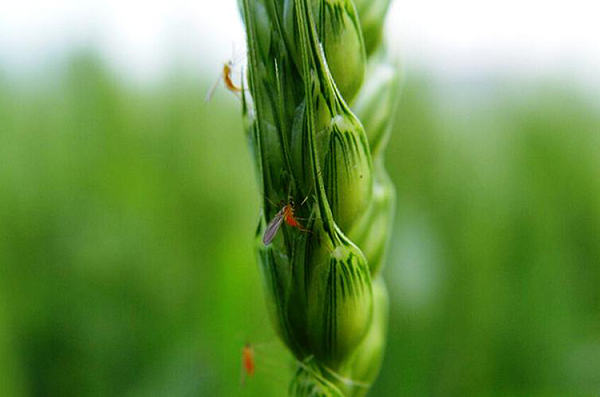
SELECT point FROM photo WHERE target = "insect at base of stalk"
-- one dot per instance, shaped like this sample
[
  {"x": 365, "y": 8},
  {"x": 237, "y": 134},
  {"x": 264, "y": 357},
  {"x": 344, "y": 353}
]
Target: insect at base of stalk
[
  {"x": 262, "y": 359},
  {"x": 248, "y": 365}
]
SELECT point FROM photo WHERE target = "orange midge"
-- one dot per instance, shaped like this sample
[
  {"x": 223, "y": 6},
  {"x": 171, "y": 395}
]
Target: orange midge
[
  {"x": 285, "y": 214},
  {"x": 227, "y": 77},
  {"x": 227, "y": 80},
  {"x": 248, "y": 359}
]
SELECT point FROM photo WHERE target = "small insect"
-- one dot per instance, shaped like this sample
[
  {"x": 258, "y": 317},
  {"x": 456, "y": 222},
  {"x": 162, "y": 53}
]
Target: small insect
[
  {"x": 227, "y": 80},
  {"x": 247, "y": 361},
  {"x": 285, "y": 214}
]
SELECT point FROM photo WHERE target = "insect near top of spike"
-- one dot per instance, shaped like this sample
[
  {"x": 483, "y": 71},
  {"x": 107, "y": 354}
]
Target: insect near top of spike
[
  {"x": 285, "y": 214},
  {"x": 227, "y": 80}
]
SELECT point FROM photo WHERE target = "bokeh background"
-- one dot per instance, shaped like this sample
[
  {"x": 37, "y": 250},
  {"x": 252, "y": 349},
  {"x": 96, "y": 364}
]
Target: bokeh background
[{"x": 128, "y": 205}]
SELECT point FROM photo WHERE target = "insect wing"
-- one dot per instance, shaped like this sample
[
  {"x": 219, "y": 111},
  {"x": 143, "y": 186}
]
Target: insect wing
[
  {"x": 209, "y": 93},
  {"x": 273, "y": 227}
]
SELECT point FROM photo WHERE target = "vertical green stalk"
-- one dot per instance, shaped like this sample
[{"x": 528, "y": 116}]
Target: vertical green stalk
[{"x": 322, "y": 94}]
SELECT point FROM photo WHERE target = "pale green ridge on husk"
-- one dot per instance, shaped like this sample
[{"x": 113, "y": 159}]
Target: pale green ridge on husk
[{"x": 317, "y": 120}]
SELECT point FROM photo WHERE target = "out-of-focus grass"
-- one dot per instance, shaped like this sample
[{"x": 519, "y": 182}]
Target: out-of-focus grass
[
  {"x": 126, "y": 232},
  {"x": 126, "y": 224},
  {"x": 495, "y": 265}
]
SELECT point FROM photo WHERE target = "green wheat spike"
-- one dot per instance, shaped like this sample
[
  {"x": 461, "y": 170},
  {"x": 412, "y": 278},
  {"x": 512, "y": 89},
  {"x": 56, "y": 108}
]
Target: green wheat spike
[{"x": 322, "y": 92}]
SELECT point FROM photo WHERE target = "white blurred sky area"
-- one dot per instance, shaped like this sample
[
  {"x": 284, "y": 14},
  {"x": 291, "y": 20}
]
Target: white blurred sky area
[{"x": 143, "y": 39}]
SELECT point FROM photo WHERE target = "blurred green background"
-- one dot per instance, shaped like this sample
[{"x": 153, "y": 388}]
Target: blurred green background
[{"x": 127, "y": 216}]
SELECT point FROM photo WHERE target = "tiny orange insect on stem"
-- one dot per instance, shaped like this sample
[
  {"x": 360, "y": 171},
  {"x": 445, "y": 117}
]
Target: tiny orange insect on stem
[
  {"x": 248, "y": 364},
  {"x": 227, "y": 77},
  {"x": 285, "y": 214},
  {"x": 227, "y": 80}
]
